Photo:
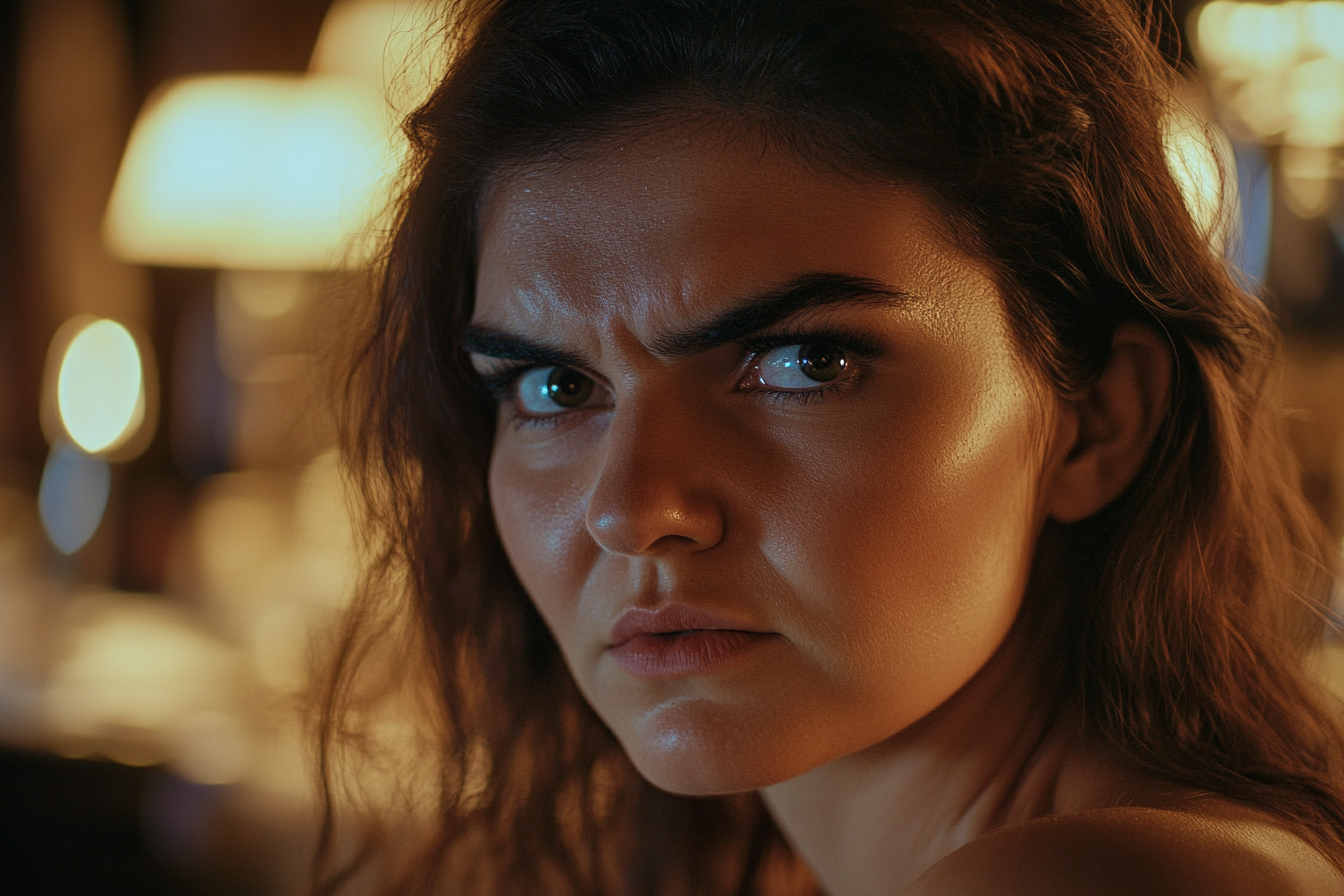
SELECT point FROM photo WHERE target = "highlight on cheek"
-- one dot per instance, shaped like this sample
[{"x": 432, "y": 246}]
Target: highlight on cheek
[{"x": 840, "y": 508}]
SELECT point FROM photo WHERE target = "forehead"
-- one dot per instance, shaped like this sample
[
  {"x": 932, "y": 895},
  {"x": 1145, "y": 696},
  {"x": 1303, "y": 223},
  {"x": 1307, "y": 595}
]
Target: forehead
[{"x": 647, "y": 234}]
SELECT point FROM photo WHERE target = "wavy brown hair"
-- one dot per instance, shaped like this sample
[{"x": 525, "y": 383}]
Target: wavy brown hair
[{"x": 1038, "y": 125}]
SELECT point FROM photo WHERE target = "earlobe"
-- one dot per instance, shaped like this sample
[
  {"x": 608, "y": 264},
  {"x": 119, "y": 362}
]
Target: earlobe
[{"x": 1109, "y": 430}]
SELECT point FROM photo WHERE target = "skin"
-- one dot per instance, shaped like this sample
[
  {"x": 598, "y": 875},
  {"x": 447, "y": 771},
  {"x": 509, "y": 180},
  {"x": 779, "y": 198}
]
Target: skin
[{"x": 883, "y": 529}]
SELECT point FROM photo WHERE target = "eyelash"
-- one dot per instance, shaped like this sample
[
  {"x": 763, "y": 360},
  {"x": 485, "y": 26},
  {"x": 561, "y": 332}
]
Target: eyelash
[
  {"x": 853, "y": 345},
  {"x": 501, "y": 385}
]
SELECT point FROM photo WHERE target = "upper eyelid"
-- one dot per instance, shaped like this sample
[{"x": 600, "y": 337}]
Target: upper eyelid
[
  {"x": 490, "y": 366},
  {"x": 763, "y": 342},
  {"x": 807, "y": 321},
  {"x": 501, "y": 381}
]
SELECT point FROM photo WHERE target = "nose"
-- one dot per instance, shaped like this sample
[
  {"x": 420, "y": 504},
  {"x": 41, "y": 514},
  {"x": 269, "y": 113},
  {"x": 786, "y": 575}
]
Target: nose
[{"x": 655, "y": 491}]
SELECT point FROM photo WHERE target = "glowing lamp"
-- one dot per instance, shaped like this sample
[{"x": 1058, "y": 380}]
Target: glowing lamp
[
  {"x": 394, "y": 46},
  {"x": 99, "y": 402},
  {"x": 250, "y": 171},
  {"x": 100, "y": 389}
]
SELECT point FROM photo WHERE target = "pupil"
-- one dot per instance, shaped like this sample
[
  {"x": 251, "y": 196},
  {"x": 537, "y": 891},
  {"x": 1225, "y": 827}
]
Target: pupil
[
  {"x": 821, "y": 362},
  {"x": 568, "y": 388}
]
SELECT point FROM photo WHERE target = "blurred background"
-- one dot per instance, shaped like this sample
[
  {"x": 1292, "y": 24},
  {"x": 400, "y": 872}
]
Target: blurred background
[{"x": 189, "y": 192}]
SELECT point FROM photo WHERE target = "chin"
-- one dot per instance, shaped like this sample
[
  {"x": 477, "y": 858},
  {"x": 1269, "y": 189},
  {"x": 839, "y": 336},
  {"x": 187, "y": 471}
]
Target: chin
[
  {"x": 706, "y": 750},
  {"x": 699, "y": 772}
]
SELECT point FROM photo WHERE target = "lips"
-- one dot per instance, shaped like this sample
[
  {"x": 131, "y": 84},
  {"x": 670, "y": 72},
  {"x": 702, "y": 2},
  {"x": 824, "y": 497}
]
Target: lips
[{"x": 677, "y": 640}]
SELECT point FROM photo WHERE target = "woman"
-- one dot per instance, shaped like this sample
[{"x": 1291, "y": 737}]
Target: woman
[{"x": 825, "y": 419}]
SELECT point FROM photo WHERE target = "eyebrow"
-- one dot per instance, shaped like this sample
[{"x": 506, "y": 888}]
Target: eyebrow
[
  {"x": 805, "y": 293},
  {"x": 495, "y": 344}
]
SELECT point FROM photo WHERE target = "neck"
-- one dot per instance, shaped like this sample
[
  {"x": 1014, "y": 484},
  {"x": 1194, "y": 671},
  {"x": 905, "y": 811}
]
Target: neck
[{"x": 992, "y": 755}]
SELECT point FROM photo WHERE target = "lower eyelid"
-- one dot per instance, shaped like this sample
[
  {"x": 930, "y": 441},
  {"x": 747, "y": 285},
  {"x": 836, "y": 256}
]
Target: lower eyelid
[
  {"x": 518, "y": 421},
  {"x": 825, "y": 391},
  {"x": 523, "y": 417}
]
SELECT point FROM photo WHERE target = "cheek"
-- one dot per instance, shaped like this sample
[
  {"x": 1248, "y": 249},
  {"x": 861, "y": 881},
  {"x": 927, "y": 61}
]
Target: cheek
[
  {"x": 891, "y": 545},
  {"x": 539, "y": 511},
  {"x": 912, "y": 564}
]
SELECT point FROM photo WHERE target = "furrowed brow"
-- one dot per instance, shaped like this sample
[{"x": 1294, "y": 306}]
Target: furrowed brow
[
  {"x": 801, "y": 294},
  {"x": 765, "y": 310},
  {"x": 496, "y": 344}
]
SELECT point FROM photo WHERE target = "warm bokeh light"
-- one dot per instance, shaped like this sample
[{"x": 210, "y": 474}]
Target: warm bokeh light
[
  {"x": 1250, "y": 36},
  {"x": 211, "y": 746},
  {"x": 100, "y": 389},
  {"x": 1324, "y": 27},
  {"x": 263, "y": 294},
  {"x": 1316, "y": 103},
  {"x": 1193, "y": 149},
  {"x": 1277, "y": 67},
  {"x": 1276, "y": 74},
  {"x": 139, "y": 682},
  {"x": 250, "y": 171},
  {"x": 395, "y": 46}
]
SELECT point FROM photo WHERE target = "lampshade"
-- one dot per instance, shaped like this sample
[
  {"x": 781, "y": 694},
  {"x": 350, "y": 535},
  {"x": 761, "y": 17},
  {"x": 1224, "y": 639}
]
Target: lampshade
[
  {"x": 252, "y": 171},
  {"x": 396, "y": 46}
]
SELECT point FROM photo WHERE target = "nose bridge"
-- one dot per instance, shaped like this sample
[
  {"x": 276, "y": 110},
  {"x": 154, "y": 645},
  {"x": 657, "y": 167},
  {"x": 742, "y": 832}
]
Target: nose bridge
[{"x": 655, "y": 490}]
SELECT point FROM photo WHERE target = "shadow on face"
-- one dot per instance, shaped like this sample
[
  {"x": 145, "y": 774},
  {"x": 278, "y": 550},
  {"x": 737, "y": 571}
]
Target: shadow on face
[{"x": 768, "y": 460}]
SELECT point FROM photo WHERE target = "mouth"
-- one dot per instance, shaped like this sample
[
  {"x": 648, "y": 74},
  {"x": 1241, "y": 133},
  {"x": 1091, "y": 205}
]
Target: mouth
[{"x": 676, "y": 641}]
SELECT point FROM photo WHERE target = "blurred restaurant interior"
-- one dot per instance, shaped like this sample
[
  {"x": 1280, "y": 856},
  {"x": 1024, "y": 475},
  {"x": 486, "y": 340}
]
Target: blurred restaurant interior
[{"x": 190, "y": 191}]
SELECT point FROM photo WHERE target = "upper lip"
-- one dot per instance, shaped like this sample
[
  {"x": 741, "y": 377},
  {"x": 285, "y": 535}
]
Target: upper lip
[{"x": 668, "y": 618}]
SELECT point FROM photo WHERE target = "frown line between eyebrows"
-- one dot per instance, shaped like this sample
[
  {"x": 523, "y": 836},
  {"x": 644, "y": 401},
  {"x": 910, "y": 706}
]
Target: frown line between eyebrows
[{"x": 805, "y": 293}]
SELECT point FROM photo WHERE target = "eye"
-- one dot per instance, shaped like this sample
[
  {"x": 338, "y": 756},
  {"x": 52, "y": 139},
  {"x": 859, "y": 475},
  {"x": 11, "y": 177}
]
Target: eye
[
  {"x": 544, "y": 391},
  {"x": 805, "y": 366}
]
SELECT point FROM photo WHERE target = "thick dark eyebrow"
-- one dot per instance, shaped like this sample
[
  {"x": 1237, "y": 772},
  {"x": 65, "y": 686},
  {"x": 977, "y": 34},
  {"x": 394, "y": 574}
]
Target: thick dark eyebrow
[
  {"x": 494, "y": 344},
  {"x": 804, "y": 293}
]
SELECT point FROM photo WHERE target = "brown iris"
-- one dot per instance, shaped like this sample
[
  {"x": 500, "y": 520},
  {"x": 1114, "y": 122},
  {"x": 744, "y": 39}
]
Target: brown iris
[
  {"x": 821, "y": 362},
  {"x": 568, "y": 388}
]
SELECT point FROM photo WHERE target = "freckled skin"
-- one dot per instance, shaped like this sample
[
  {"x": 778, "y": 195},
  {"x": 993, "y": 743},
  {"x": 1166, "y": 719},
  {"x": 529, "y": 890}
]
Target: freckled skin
[{"x": 885, "y": 531}]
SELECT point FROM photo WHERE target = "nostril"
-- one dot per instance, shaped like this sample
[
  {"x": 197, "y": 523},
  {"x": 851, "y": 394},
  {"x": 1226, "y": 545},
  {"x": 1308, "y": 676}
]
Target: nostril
[
  {"x": 658, "y": 523},
  {"x": 672, "y": 543}
]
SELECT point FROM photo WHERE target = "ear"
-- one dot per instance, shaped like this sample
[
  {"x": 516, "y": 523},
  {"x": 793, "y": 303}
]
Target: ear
[{"x": 1107, "y": 431}]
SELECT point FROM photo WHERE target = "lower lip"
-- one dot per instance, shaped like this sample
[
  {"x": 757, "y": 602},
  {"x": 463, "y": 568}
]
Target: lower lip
[{"x": 680, "y": 654}]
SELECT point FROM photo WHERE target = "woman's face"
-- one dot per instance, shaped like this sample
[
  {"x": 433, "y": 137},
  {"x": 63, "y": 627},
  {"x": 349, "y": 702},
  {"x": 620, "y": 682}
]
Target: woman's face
[{"x": 767, "y": 458}]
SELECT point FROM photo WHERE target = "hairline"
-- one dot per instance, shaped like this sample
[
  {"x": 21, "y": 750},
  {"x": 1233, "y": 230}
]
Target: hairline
[{"x": 800, "y": 138}]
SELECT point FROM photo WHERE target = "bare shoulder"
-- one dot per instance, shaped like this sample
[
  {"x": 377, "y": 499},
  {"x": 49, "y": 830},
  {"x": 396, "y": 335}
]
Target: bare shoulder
[{"x": 1135, "y": 850}]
